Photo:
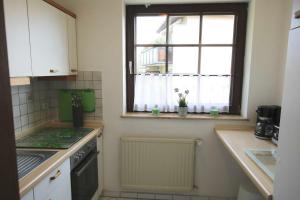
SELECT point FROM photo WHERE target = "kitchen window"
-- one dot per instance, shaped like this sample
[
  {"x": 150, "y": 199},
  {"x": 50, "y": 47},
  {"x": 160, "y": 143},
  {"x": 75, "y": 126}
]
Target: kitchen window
[{"x": 198, "y": 47}]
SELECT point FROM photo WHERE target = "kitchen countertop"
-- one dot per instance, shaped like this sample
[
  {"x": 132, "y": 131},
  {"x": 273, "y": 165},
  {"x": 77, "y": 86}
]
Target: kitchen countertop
[
  {"x": 238, "y": 138},
  {"x": 35, "y": 176}
]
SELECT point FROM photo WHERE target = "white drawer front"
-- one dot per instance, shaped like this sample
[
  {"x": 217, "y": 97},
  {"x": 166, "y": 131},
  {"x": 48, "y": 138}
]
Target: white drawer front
[
  {"x": 56, "y": 186},
  {"x": 28, "y": 196}
]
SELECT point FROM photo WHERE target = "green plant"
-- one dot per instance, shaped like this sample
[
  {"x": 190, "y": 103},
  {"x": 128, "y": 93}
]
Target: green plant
[{"x": 182, "y": 97}]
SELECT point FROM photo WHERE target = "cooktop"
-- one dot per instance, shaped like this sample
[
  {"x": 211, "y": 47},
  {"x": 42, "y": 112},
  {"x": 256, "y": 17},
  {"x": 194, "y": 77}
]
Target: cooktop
[{"x": 53, "y": 138}]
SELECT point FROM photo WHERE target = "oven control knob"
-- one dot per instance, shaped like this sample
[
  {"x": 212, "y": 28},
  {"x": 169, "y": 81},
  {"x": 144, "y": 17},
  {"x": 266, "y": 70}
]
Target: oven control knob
[
  {"x": 81, "y": 152},
  {"x": 76, "y": 158},
  {"x": 81, "y": 155}
]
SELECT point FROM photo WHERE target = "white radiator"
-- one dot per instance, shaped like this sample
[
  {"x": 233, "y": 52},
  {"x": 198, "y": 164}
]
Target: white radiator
[{"x": 157, "y": 164}]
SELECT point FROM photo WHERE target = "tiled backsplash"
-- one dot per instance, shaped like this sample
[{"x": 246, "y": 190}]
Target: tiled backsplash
[
  {"x": 38, "y": 102},
  {"x": 30, "y": 104},
  {"x": 84, "y": 80}
]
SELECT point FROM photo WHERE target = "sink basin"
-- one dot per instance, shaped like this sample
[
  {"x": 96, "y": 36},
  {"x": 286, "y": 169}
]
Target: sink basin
[
  {"x": 265, "y": 159},
  {"x": 27, "y": 160}
]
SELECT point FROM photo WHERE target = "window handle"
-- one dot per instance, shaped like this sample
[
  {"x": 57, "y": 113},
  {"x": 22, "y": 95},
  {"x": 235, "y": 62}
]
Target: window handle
[
  {"x": 297, "y": 14},
  {"x": 130, "y": 67}
]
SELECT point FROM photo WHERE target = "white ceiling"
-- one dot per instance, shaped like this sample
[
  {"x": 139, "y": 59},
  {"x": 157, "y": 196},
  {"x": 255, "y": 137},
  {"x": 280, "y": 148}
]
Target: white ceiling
[{"x": 180, "y": 1}]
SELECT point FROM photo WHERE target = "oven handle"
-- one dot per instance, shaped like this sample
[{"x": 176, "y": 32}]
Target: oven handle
[{"x": 91, "y": 159}]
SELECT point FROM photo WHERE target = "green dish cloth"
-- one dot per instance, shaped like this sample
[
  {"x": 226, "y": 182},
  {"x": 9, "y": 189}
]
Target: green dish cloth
[{"x": 65, "y": 103}]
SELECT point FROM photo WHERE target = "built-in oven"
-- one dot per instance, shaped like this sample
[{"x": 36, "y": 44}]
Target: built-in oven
[{"x": 84, "y": 171}]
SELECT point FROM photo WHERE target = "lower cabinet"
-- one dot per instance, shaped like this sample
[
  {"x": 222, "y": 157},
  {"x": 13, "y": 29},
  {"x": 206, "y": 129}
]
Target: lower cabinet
[
  {"x": 28, "y": 196},
  {"x": 55, "y": 186}
]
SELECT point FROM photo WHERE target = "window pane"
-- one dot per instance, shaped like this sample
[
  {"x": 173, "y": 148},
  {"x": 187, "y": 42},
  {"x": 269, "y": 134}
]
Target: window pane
[
  {"x": 151, "y": 29},
  {"x": 218, "y": 29},
  {"x": 184, "y": 29},
  {"x": 214, "y": 91},
  {"x": 150, "y": 60},
  {"x": 216, "y": 60},
  {"x": 183, "y": 60}
]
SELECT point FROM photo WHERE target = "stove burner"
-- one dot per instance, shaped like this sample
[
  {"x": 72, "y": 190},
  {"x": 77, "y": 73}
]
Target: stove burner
[{"x": 53, "y": 138}]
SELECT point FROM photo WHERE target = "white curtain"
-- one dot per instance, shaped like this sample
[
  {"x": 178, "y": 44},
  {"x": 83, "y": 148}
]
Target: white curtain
[{"x": 206, "y": 92}]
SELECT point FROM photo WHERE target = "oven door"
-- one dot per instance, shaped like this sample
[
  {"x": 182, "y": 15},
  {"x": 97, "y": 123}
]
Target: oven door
[{"x": 84, "y": 178}]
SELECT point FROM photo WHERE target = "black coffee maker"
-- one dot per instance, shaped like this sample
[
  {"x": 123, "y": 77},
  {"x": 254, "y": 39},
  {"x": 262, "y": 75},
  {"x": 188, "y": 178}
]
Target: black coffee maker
[{"x": 268, "y": 121}]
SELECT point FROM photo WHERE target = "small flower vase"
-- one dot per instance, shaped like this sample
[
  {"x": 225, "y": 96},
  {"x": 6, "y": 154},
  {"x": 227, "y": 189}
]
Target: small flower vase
[{"x": 182, "y": 111}]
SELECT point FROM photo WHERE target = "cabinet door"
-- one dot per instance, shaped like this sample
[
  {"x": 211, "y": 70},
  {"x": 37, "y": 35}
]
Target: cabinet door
[
  {"x": 55, "y": 186},
  {"x": 296, "y": 14},
  {"x": 48, "y": 38},
  {"x": 72, "y": 45},
  {"x": 28, "y": 196},
  {"x": 17, "y": 36}
]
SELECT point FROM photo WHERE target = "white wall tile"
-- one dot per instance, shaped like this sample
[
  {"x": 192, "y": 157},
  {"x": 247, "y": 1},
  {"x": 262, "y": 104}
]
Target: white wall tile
[
  {"x": 24, "y": 120},
  {"x": 88, "y": 84},
  {"x": 23, "y": 109},
  {"x": 80, "y": 76},
  {"x": 37, "y": 102},
  {"x": 14, "y": 90},
  {"x": 16, "y": 111},
  {"x": 79, "y": 84},
  {"x": 15, "y": 99},
  {"x": 98, "y": 94},
  {"x": 97, "y": 85},
  {"x": 17, "y": 122},
  {"x": 22, "y": 98},
  {"x": 87, "y": 76},
  {"x": 97, "y": 76}
]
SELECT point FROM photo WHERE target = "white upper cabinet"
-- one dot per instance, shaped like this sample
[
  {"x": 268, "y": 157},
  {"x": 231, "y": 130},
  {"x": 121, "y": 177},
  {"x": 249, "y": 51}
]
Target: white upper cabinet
[
  {"x": 17, "y": 36},
  {"x": 49, "y": 39},
  {"x": 72, "y": 45},
  {"x": 296, "y": 14}
]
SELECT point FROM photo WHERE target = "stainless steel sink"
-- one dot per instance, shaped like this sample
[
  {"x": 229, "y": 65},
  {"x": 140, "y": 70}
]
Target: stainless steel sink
[
  {"x": 27, "y": 160},
  {"x": 265, "y": 159}
]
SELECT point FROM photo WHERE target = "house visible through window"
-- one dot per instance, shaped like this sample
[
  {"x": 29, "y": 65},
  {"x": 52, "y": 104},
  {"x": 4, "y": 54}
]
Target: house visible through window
[{"x": 195, "y": 47}]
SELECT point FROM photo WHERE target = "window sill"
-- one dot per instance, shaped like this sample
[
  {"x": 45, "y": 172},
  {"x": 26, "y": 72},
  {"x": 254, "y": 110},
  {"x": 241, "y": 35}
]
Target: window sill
[{"x": 188, "y": 117}]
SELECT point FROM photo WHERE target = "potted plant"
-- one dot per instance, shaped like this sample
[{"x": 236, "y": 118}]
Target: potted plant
[{"x": 182, "y": 103}]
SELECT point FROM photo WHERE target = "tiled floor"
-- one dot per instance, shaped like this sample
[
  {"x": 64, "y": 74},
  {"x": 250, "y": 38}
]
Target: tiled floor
[
  {"x": 113, "y": 198},
  {"x": 192, "y": 198},
  {"x": 111, "y": 195}
]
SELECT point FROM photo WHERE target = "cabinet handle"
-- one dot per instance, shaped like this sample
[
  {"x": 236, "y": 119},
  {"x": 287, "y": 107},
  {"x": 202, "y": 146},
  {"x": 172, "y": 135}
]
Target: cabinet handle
[
  {"x": 73, "y": 70},
  {"x": 53, "y": 70},
  {"x": 297, "y": 14},
  {"x": 52, "y": 178}
]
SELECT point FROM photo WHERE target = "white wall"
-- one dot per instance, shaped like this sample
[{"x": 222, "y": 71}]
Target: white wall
[
  {"x": 100, "y": 45},
  {"x": 266, "y": 53}
]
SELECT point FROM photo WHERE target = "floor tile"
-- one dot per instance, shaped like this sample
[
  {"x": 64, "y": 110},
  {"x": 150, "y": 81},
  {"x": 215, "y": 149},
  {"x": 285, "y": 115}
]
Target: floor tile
[
  {"x": 132, "y": 195},
  {"x": 146, "y": 196},
  {"x": 163, "y": 196}
]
